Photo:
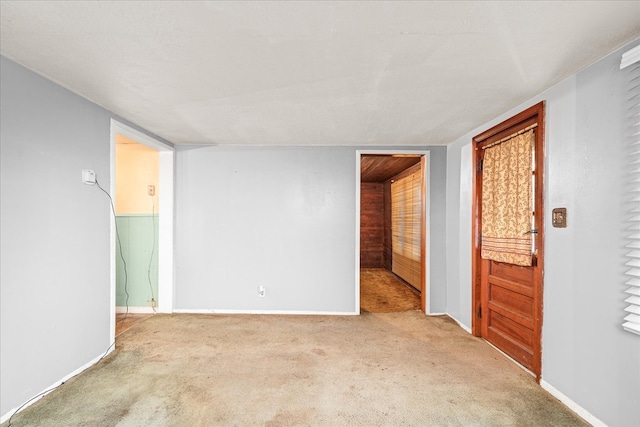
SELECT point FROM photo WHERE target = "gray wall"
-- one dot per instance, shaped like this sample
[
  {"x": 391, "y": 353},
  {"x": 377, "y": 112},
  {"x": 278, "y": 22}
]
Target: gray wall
[
  {"x": 55, "y": 234},
  {"x": 436, "y": 256},
  {"x": 288, "y": 214},
  {"x": 285, "y": 218},
  {"x": 281, "y": 217},
  {"x": 586, "y": 354},
  {"x": 54, "y": 253},
  {"x": 458, "y": 226}
]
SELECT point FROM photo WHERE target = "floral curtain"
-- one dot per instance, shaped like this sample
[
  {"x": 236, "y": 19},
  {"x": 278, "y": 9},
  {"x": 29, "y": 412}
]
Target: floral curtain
[{"x": 507, "y": 201}]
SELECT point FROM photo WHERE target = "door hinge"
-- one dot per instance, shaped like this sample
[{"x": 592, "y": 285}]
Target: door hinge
[
  {"x": 479, "y": 312},
  {"x": 480, "y": 164}
]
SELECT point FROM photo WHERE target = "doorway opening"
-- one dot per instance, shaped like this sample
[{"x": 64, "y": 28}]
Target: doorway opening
[
  {"x": 142, "y": 244},
  {"x": 392, "y": 241}
]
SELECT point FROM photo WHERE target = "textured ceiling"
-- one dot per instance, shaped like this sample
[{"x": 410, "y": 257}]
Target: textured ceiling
[{"x": 307, "y": 73}]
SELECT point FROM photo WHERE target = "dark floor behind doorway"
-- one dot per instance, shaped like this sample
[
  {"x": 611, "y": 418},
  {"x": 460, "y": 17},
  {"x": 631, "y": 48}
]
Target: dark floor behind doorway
[{"x": 381, "y": 291}]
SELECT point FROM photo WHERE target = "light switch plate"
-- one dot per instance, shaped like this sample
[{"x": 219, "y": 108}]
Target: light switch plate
[
  {"x": 559, "y": 217},
  {"x": 88, "y": 176}
]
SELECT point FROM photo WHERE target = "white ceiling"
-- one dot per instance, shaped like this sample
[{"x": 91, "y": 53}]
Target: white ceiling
[{"x": 312, "y": 73}]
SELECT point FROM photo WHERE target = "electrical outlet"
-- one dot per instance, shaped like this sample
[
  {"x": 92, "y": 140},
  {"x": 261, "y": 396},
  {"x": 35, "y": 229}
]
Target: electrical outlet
[
  {"x": 151, "y": 190},
  {"x": 88, "y": 176},
  {"x": 262, "y": 291},
  {"x": 153, "y": 303}
]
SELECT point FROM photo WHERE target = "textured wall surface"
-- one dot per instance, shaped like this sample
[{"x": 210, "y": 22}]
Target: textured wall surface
[
  {"x": 283, "y": 218},
  {"x": 55, "y": 234},
  {"x": 137, "y": 167},
  {"x": 139, "y": 238},
  {"x": 586, "y": 354}
]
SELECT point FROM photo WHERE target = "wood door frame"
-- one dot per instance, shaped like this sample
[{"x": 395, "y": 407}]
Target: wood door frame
[
  {"x": 424, "y": 226},
  {"x": 533, "y": 114}
]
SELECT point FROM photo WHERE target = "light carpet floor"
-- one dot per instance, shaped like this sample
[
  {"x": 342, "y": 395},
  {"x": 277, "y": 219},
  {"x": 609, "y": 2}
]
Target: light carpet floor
[{"x": 391, "y": 369}]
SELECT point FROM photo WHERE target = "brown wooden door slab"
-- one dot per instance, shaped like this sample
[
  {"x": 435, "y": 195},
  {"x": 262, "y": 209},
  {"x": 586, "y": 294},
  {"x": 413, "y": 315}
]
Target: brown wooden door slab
[
  {"x": 508, "y": 298},
  {"x": 508, "y": 293}
]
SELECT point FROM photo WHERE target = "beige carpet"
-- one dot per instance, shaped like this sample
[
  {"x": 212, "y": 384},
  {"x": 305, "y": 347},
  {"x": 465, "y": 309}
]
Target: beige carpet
[
  {"x": 392, "y": 369},
  {"x": 125, "y": 321}
]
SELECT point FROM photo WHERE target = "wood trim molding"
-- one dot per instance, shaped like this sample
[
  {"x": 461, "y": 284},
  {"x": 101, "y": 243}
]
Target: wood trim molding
[
  {"x": 533, "y": 114},
  {"x": 424, "y": 164},
  {"x": 409, "y": 171},
  {"x": 423, "y": 234},
  {"x": 135, "y": 310}
]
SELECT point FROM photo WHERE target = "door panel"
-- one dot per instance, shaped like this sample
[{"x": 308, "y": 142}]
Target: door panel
[
  {"x": 512, "y": 329},
  {"x": 508, "y": 298},
  {"x": 509, "y": 310}
]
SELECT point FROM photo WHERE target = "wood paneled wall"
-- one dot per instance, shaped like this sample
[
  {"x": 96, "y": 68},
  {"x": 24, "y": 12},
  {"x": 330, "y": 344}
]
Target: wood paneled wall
[
  {"x": 372, "y": 224},
  {"x": 387, "y": 255},
  {"x": 138, "y": 244}
]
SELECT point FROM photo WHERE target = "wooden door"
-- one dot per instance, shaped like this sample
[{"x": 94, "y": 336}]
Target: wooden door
[{"x": 508, "y": 298}]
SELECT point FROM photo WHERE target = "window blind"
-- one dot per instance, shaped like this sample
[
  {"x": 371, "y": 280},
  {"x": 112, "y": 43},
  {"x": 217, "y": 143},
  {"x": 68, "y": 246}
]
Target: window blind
[
  {"x": 631, "y": 60},
  {"x": 406, "y": 211}
]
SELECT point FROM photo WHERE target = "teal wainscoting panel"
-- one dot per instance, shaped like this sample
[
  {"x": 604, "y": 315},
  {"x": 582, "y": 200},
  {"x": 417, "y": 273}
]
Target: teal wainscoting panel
[{"x": 139, "y": 241}]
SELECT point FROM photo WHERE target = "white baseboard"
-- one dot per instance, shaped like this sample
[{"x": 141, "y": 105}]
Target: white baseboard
[
  {"x": 55, "y": 385},
  {"x": 135, "y": 310},
  {"x": 462, "y": 325},
  {"x": 579, "y": 410},
  {"x": 294, "y": 312}
]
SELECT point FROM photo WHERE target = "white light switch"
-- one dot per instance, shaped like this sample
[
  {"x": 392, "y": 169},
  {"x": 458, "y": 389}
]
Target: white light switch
[{"x": 88, "y": 176}]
